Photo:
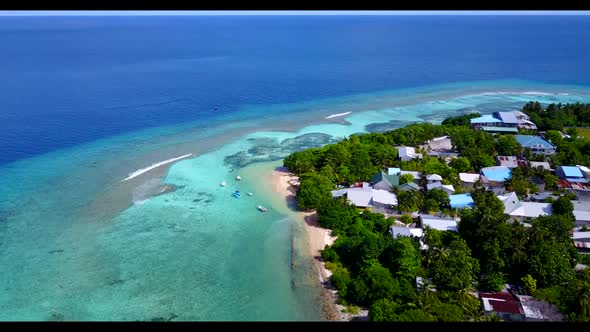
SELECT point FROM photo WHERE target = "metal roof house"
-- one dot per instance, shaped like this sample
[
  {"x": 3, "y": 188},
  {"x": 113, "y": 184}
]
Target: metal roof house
[
  {"x": 503, "y": 122},
  {"x": 408, "y": 186},
  {"x": 581, "y": 240},
  {"x": 441, "y": 224},
  {"x": 503, "y": 305},
  {"x": 507, "y": 161},
  {"x": 360, "y": 197},
  {"x": 384, "y": 181},
  {"x": 407, "y": 153},
  {"x": 461, "y": 201},
  {"x": 409, "y": 232},
  {"x": 585, "y": 170},
  {"x": 536, "y": 144},
  {"x": 493, "y": 178},
  {"x": 570, "y": 173},
  {"x": 497, "y": 122},
  {"x": 393, "y": 171},
  {"x": 367, "y": 197},
  {"x": 541, "y": 165},
  {"x": 496, "y": 173},
  {"x": 384, "y": 197},
  {"x": 538, "y": 310},
  {"x": 433, "y": 177},
  {"x": 468, "y": 180},
  {"x": 448, "y": 188},
  {"x": 521, "y": 210},
  {"x": 508, "y": 118},
  {"x": 582, "y": 213}
]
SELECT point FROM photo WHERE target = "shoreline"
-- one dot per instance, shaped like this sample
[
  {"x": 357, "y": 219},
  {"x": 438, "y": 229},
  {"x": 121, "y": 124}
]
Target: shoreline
[{"x": 284, "y": 183}]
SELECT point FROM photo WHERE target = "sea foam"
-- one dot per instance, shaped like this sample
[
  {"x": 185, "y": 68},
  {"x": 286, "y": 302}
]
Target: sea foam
[
  {"x": 337, "y": 115},
  {"x": 149, "y": 168}
]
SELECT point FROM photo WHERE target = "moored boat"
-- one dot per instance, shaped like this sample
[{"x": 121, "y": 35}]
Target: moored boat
[
  {"x": 262, "y": 208},
  {"x": 222, "y": 183},
  {"x": 237, "y": 194}
]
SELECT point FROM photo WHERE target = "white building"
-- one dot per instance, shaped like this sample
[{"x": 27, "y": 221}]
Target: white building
[
  {"x": 407, "y": 153},
  {"x": 409, "y": 232},
  {"x": 521, "y": 210},
  {"x": 441, "y": 224}
]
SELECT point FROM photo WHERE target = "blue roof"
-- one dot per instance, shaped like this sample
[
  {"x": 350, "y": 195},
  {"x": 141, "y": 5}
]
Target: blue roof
[
  {"x": 496, "y": 173},
  {"x": 572, "y": 172},
  {"x": 460, "y": 201},
  {"x": 393, "y": 171},
  {"x": 529, "y": 141},
  {"x": 485, "y": 119},
  {"x": 507, "y": 117}
]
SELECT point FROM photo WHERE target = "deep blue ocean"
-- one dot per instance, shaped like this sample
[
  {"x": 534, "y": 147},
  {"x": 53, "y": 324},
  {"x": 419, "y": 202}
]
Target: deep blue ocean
[{"x": 69, "y": 80}]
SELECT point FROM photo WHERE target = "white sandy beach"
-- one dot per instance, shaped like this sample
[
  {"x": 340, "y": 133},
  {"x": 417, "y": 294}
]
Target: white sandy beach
[
  {"x": 284, "y": 184},
  {"x": 319, "y": 237}
]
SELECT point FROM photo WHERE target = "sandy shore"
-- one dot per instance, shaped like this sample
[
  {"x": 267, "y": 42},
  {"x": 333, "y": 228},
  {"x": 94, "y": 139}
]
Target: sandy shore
[{"x": 285, "y": 184}]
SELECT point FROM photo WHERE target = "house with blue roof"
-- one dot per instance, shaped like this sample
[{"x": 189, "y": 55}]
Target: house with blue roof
[
  {"x": 502, "y": 122},
  {"x": 536, "y": 144},
  {"x": 571, "y": 174},
  {"x": 393, "y": 171},
  {"x": 493, "y": 178},
  {"x": 461, "y": 201}
]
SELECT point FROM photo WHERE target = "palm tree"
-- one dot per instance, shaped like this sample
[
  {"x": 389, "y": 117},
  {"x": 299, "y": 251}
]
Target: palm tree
[
  {"x": 487, "y": 216},
  {"x": 468, "y": 303},
  {"x": 440, "y": 253},
  {"x": 584, "y": 300}
]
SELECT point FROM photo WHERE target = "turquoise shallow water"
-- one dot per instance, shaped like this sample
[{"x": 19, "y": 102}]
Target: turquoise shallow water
[{"x": 78, "y": 244}]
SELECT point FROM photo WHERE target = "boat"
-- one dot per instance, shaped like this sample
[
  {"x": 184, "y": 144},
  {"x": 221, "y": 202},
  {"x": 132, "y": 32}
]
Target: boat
[
  {"x": 222, "y": 183},
  {"x": 237, "y": 194},
  {"x": 238, "y": 178},
  {"x": 250, "y": 194},
  {"x": 262, "y": 208}
]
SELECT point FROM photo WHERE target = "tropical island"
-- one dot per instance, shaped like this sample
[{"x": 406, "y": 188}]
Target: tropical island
[{"x": 480, "y": 218}]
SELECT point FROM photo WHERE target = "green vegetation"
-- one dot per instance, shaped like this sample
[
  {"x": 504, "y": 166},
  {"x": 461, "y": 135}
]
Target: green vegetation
[
  {"x": 374, "y": 270},
  {"x": 585, "y": 132},
  {"x": 558, "y": 116},
  {"x": 406, "y": 178}
]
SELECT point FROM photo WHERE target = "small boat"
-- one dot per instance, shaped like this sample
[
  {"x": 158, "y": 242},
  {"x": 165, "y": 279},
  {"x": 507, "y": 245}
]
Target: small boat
[
  {"x": 222, "y": 183},
  {"x": 250, "y": 194},
  {"x": 238, "y": 178},
  {"x": 237, "y": 194},
  {"x": 262, "y": 208}
]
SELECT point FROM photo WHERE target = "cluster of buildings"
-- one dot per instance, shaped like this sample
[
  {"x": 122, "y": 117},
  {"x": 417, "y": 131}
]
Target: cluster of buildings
[{"x": 379, "y": 195}]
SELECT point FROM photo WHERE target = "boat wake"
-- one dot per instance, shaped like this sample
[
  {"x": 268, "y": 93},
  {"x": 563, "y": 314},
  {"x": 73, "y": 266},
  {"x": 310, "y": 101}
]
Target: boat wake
[
  {"x": 149, "y": 168},
  {"x": 337, "y": 115}
]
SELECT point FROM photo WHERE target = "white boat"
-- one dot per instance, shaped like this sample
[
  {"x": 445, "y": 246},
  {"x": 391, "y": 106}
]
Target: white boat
[
  {"x": 250, "y": 194},
  {"x": 222, "y": 183},
  {"x": 238, "y": 178},
  {"x": 262, "y": 208}
]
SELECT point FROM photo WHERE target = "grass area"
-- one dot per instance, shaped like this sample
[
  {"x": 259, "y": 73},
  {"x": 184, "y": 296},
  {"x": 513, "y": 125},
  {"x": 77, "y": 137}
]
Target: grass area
[
  {"x": 352, "y": 309},
  {"x": 584, "y": 132}
]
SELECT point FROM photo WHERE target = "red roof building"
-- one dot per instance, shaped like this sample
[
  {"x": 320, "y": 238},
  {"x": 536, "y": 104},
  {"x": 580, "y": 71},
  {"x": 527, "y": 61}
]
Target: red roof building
[{"x": 502, "y": 304}]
